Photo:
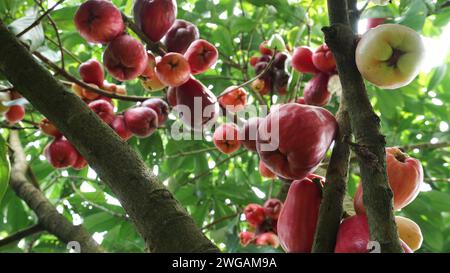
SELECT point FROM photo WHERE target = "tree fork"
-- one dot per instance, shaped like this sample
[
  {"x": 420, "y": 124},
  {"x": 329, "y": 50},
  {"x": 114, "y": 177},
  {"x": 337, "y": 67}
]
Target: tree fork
[
  {"x": 365, "y": 125},
  {"x": 162, "y": 222}
]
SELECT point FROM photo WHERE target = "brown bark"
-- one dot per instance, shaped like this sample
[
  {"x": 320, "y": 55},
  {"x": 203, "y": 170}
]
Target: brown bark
[
  {"x": 162, "y": 222},
  {"x": 49, "y": 218},
  {"x": 365, "y": 124}
]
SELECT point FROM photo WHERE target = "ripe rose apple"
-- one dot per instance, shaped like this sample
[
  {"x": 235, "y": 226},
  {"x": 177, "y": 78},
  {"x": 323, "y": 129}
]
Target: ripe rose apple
[
  {"x": 374, "y": 22},
  {"x": 280, "y": 60},
  {"x": 353, "y": 236},
  {"x": 254, "y": 60},
  {"x": 246, "y": 237},
  {"x": 225, "y": 138},
  {"x": 316, "y": 90},
  {"x": 261, "y": 86},
  {"x": 103, "y": 109},
  {"x": 389, "y": 56},
  {"x": 405, "y": 174},
  {"x": 409, "y": 232},
  {"x": 323, "y": 59},
  {"x": 92, "y": 72},
  {"x": 201, "y": 56},
  {"x": 180, "y": 36},
  {"x": 119, "y": 126},
  {"x": 60, "y": 153},
  {"x": 292, "y": 157},
  {"x": 85, "y": 93},
  {"x": 149, "y": 79},
  {"x": 155, "y": 17},
  {"x": 80, "y": 163},
  {"x": 173, "y": 69},
  {"x": 302, "y": 60},
  {"x": 254, "y": 214},
  {"x": 267, "y": 239},
  {"x": 196, "y": 104},
  {"x": 15, "y": 114},
  {"x": 248, "y": 133},
  {"x": 298, "y": 218},
  {"x": 49, "y": 128},
  {"x": 280, "y": 80},
  {"x": 172, "y": 96},
  {"x": 99, "y": 21},
  {"x": 125, "y": 58},
  {"x": 263, "y": 49},
  {"x": 265, "y": 172},
  {"x": 160, "y": 107},
  {"x": 272, "y": 208},
  {"x": 141, "y": 121},
  {"x": 233, "y": 97}
]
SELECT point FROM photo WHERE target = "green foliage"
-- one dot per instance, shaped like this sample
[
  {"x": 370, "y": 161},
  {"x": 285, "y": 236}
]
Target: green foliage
[{"x": 207, "y": 185}]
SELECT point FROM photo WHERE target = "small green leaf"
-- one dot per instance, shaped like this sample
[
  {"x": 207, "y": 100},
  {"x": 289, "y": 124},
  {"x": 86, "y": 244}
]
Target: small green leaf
[{"x": 5, "y": 168}]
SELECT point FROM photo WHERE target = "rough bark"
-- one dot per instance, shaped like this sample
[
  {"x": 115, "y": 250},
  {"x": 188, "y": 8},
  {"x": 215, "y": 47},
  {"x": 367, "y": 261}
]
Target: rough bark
[
  {"x": 162, "y": 222},
  {"x": 49, "y": 218},
  {"x": 331, "y": 208},
  {"x": 365, "y": 124}
]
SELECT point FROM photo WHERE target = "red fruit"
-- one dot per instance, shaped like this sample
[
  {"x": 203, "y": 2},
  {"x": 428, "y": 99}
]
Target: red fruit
[
  {"x": 155, "y": 17},
  {"x": 125, "y": 58},
  {"x": 261, "y": 86},
  {"x": 119, "y": 126},
  {"x": 405, "y": 174},
  {"x": 272, "y": 208},
  {"x": 180, "y": 36},
  {"x": 149, "y": 79},
  {"x": 226, "y": 138},
  {"x": 160, "y": 107},
  {"x": 254, "y": 60},
  {"x": 173, "y": 69},
  {"x": 49, "y": 128},
  {"x": 15, "y": 113},
  {"x": 141, "y": 121},
  {"x": 248, "y": 133},
  {"x": 323, "y": 59},
  {"x": 245, "y": 237},
  {"x": 280, "y": 60},
  {"x": 374, "y": 22},
  {"x": 103, "y": 109},
  {"x": 302, "y": 60},
  {"x": 254, "y": 214},
  {"x": 233, "y": 97},
  {"x": 353, "y": 236},
  {"x": 172, "y": 96},
  {"x": 196, "y": 104},
  {"x": 61, "y": 154},
  {"x": 316, "y": 90},
  {"x": 263, "y": 49},
  {"x": 265, "y": 172},
  {"x": 292, "y": 157},
  {"x": 267, "y": 239},
  {"x": 301, "y": 100},
  {"x": 80, "y": 163},
  {"x": 298, "y": 218},
  {"x": 201, "y": 55},
  {"x": 99, "y": 21},
  {"x": 92, "y": 72}
]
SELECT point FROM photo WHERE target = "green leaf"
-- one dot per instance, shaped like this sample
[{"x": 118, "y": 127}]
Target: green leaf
[
  {"x": 414, "y": 14},
  {"x": 33, "y": 37},
  {"x": 5, "y": 167},
  {"x": 438, "y": 76}
]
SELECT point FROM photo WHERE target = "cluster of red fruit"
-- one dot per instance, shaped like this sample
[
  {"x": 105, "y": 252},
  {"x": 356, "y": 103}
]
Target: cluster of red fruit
[
  {"x": 125, "y": 58},
  {"x": 13, "y": 113},
  {"x": 322, "y": 65},
  {"x": 275, "y": 78},
  {"x": 262, "y": 221}
]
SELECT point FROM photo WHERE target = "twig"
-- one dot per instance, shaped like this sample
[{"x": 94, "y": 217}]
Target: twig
[
  {"x": 21, "y": 234},
  {"x": 219, "y": 220},
  {"x": 39, "y": 19},
  {"x": 191, "y": 152}
]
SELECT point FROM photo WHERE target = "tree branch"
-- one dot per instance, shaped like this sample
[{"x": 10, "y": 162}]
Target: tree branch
[
  {"x": 21, "y": 234},
  {"x": 366, "y": 128},
  {"x": 160, "y": 219},
  {"x": 49, "y": 217}
]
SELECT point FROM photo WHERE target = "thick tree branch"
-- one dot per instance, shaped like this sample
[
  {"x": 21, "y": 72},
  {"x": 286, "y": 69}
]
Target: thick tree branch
[
  {"x": 162, "y": 222},
  {"x": 49, "y": 218},
  {"x": 21, "y": 234},
  {"x": 365, "y": 125}
]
